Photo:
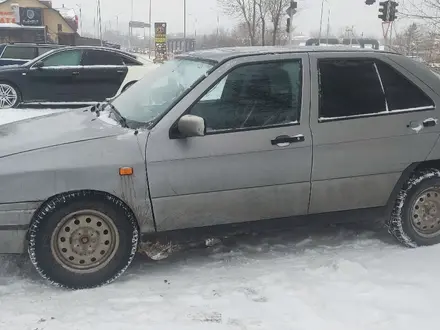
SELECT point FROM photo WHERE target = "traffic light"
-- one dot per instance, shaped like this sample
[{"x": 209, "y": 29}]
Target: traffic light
[
  {"x": 393, "y": 11},
  {"x": 288, "y": 25},
  {"x": 383, "y": 11},
  {"x": 370, "y": 2}
]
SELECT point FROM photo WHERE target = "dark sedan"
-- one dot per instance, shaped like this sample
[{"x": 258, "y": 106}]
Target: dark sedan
[{"x": 70, "y": 75}]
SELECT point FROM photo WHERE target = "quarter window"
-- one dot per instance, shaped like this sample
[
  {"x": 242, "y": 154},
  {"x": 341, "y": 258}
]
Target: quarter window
[
  {"x": 400, "y": 92},
  {"x": 64, "y": 58},
  {"x": 253, "y": 96}
]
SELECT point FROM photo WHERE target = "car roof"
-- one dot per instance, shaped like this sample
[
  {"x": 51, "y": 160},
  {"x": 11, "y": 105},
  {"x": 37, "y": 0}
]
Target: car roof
[
  {"x": 108, "y": 49},
  {"x": 224, "y": 54},
  {"x": 30, "y": 44}
]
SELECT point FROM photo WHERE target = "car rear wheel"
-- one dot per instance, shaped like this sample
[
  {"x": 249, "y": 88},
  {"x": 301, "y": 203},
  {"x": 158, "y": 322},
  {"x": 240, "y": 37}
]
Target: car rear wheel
[
  {"x": 415, "y": 220},
  {"x": 9, "y": 96},
  {"x": 83, "y": 240}
]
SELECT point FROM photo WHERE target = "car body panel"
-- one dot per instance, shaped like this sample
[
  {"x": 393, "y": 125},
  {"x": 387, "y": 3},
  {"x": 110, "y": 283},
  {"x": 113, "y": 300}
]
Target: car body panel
[
  {"x": 231, "y": 177},
  {"x": 217, "y": 178},
  {"x": 57, "y": 162},
  {"x": 358, "y": 161}
]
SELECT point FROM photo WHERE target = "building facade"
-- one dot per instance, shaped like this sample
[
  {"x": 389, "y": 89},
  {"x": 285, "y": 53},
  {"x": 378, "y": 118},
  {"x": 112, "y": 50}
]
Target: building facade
[{"x": 22, "y": 20}]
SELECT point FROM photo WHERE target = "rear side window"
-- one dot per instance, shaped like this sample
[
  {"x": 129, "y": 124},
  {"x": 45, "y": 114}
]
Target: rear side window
[
  {"x": 19, "y": 52},
  {"x": 44, "y": 50},
  {"x": 356, "y": 87},
  {"x": 400, "y": 92},
  {"x": 349, "y": 88},
  {"x": 131, "y": 61},
  {"x": 95, "y": 57}
]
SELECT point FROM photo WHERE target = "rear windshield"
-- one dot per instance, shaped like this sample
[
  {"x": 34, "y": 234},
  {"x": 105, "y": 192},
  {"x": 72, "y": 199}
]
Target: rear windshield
[{"x": 20, "y": 52}]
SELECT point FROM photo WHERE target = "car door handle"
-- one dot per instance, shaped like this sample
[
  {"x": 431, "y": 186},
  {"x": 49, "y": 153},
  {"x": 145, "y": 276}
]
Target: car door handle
[
  {"x": 431, "y": 122},
  {"x": 285, "y": 140},
  {"x": 75, "y": 73},
  {"x": 121, "y": 71}
]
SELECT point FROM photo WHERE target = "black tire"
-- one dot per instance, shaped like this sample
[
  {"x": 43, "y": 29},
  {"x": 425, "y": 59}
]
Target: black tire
[
  {"x": 47, "y": 223},
  {"x": 400, "y": 224},
  {"x": 17, "y": 92},
  {"x": 128, "y": 86}
]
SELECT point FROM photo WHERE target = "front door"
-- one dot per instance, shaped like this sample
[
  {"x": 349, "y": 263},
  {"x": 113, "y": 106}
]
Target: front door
[
  {"x": 367, "y": 121},
  {"x": 254, "y": 162},
  {"x": 102, "y": 76},
  {"x": 57, "y": 80}
]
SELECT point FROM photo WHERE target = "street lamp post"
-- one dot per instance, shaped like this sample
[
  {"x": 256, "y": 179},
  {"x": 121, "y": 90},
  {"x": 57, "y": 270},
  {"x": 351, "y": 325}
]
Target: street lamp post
[
  {"x": 80, "y": 18},
  {"x": 184, "y": 26},
  {"x": 149, "y": 40}
]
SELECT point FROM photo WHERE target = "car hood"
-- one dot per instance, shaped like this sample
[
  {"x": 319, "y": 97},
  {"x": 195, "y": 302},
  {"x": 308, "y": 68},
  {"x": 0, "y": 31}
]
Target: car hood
[{"x": 53, "y": 130}]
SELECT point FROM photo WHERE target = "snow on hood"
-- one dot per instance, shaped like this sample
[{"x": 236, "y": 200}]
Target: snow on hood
[
  {"x": 8, "y": 116},
  {"x": 52, "y": 130}
]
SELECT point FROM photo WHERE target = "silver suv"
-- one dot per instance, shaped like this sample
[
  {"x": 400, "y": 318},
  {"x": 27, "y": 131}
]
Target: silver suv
[{"x": 216, "y": 139}]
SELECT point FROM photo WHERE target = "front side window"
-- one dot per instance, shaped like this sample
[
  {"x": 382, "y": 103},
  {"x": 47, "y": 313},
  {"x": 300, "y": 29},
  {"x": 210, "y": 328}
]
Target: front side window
[
  {"x": 253, "y": 96},
  {"x": 349, "y": 88},
  {"x": 64, "y": 58},
  {"x": 18, "y": 52},
  {"x": 95, "y": 57},
  {"x": 153, "y": 95}
]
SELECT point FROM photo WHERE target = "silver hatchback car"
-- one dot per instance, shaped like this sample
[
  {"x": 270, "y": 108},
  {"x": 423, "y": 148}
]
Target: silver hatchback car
[{"x": 216, "y": 139}]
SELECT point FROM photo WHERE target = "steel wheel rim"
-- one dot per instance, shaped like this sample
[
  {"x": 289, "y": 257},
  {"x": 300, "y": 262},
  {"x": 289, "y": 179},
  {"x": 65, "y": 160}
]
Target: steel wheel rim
[
  {"x": 8, "y": 96},
  {"x": 425, "y": 213},
  {"x": 85, "y": 241}
]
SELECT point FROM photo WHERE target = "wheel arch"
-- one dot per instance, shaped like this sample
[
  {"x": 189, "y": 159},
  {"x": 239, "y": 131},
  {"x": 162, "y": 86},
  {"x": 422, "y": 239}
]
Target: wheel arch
[
  {"x": 16, "y": 87},
  {"x": 405, "y": 176},
  {"x": 85, "y": 194},
  {"x": 130, "y": 83}
]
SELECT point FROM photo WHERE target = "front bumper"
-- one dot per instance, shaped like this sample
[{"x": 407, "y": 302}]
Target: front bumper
[{"x": 15, "y": 219}]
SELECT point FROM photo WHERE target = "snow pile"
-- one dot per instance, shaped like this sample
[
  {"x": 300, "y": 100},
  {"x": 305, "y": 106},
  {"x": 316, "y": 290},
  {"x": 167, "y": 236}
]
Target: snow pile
[
  {"x": 11, "y": 115},
  {"x": 332, "y": 279}
]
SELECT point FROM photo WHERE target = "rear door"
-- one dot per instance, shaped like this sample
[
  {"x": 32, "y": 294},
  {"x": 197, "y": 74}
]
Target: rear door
[
  {"x": 103, "y": 75},
  {"x": 58, "y": 79},
  {"x": 368, "y": 122}
]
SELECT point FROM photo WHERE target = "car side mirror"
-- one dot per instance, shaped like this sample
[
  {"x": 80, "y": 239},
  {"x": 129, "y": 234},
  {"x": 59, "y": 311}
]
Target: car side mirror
[
  {"x": 39, "y": 65},
  {"x": 190, "y": 126}
]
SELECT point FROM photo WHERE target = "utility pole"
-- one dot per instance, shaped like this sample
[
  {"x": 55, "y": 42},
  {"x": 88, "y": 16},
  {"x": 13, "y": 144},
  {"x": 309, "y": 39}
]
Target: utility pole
[
  {"x": 328, "y": 25},
  {"x": 149, "y": 35},
  {"x": 100, "y": 21},
  {"x": 290, "y": 12},
  {"x": 184, "y": 26},
  {"x": 320, "y": 23}
]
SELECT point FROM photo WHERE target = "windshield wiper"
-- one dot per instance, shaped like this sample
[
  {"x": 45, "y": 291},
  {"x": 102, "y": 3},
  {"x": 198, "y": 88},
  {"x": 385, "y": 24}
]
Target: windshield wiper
[{"x": 120, "y": 118}]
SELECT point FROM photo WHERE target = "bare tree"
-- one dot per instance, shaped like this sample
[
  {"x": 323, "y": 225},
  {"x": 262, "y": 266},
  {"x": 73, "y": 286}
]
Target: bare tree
[
  {"x": 247, "y": 11},
  {"x": 276, "y": 12}
]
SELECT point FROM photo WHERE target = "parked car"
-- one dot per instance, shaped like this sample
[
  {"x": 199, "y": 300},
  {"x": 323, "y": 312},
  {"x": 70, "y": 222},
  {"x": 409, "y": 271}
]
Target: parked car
[
  {"x": 70, "y": 75},
  {"x": 218, "y": 140},
  {"x": 13, "y": 53}
]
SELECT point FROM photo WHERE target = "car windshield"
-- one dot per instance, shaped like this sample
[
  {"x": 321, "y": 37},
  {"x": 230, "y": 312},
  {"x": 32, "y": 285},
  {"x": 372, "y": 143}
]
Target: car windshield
[{"x": 152, "y": 96}]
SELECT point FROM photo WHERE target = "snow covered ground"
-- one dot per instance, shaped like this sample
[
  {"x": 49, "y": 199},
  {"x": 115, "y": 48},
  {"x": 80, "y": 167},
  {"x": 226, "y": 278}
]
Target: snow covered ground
[{"x": 317, "y": 279}]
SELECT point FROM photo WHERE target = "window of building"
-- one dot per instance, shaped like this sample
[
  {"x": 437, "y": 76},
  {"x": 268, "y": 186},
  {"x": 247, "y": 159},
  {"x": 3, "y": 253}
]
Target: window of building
[
  {"x": 96, "y": 57},
  {"x": 254, "y": 96},
  {"x": 18, "y": 52},
  {"x": 349, "y": 88},
  {"x": 64, "y": 58},
  {"x": 400, "y": 92}
]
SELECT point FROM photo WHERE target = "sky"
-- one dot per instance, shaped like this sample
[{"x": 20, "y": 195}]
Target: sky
[{"x": 202, "y": 15}]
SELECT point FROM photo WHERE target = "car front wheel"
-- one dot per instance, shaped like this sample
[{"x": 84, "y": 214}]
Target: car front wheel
[
  {"x": 9, "y": 96},
  {"x": 83, "y": 240},
  {"x": 415, "y": 220}
]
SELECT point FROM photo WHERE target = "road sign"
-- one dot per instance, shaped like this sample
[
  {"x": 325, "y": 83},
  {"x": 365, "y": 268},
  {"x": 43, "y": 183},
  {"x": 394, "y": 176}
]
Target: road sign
[{"x": 139, "y": 25}]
